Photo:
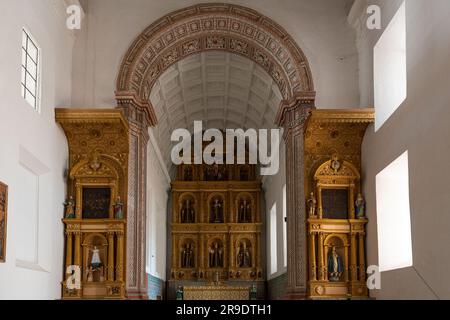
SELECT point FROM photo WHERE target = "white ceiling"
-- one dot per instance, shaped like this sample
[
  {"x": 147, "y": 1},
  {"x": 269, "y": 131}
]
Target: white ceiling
[{"x": 224, "y": 90}]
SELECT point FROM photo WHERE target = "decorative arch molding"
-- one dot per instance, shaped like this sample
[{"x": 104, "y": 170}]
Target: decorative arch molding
[{"x": 204, "y": 27}]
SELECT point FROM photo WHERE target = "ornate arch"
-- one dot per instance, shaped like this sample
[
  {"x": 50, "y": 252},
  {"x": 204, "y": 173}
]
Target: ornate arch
[{"x": 204, "y": 27}]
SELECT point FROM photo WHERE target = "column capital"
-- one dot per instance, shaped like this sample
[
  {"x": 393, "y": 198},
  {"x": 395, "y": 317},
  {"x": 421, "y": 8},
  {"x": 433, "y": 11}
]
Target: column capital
[
  {"x": 137, "y": 111},
  {"x": 295, "y": 111}
]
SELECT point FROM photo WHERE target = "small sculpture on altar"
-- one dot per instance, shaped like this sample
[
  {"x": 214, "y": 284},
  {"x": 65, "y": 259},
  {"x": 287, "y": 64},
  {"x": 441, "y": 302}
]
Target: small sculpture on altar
[
  {"x": 118, "y": 209},
  {"x": 312, "y": 202},
  {"x": 187, "y": 213},
  {"x": 187, "y": 256},
  {"x": 360, "y": 206},
  {"x": 216, "y": 211},
  {"x": 215, "y": 256},
  {"x": 95, "y": 261},
  {"x": 244, "y": 259},
  {"x": 245, "y": 212},
  {"x": 70, "y": 208},
  {"x": 334, "y": 266},
  {"x": 90, "y": 274}
]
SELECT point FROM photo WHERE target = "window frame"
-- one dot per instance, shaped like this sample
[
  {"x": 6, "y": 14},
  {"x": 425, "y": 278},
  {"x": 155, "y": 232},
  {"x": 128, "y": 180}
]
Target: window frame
[{"x": 25, "y": 69}]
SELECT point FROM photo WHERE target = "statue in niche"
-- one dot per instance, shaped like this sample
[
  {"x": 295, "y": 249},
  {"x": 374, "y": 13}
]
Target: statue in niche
[
  {"x": 95, "y": 260},
  {"x": 70, "y": 208},
  {"x": 187, "y": 213},
  {"x": 245, "y": 211},
  {"x": 217, "y": 211},
  {"x": 244, "y": 259},
  {"x": 215, "y": 256},
  {"x": 188, "y": 176},
  {"x": 360, "y": 206},
  {"x": 334, "y": 266},
  {"x": 216, "y": 172},
  {"x": 312, "y": 202},
  {"x": 187, "y": 256},
  {"x": 118, "y": 209}
]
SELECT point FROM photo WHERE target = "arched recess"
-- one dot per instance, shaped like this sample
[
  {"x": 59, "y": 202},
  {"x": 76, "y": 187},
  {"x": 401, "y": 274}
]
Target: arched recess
[{"x": 204, "y": 27}]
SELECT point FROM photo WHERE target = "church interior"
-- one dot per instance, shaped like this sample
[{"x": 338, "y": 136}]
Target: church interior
[{"x": 94, "y": 206}]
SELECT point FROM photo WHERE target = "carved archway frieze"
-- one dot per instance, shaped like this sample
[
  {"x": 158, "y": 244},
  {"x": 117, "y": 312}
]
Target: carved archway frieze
[{"x": 204, "y": 27}]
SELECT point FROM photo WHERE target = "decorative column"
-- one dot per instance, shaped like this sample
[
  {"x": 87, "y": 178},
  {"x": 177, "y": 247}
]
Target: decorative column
[
  {"x": 312, "y": 257},
  {"x": 353, "y": 248},
  {"x": 77, "y": 260},
  {"x": 321, "y": 262},
  {"x": 69, "y": 247},
  {"x": 362, "y": 264},
  {"x": 140, "y": 116},
  {"x": 119, "y": 262},
  {"x": 346, "y": 264},
  {"x": 110, "y": 256},
  {"x": 292, "y": 117}
]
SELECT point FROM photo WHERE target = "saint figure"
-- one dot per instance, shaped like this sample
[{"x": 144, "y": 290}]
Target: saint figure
[
  {"x": 217, "y": 211},
  {"x": 312, "y": 205},
  {"x": 334, "y": 266},
  {"x": 244, "y": 258},
  {"x": 244, "y": 212},
  {"x": 187, "y": 213},
  {"x": 360, "y": 206},
  {"x": 95, "y": 261},
  {"x": 215, "y": 256},
  {"x": 118, "y": 209},
  {"x": 187, "y": 258},
  {"x": 70, "y": 208}
]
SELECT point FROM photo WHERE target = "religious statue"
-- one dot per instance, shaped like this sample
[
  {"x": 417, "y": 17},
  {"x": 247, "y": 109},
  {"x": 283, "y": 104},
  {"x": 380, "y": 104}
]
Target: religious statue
[
  {"x": 187, "y": 257},
  {"x": 70, "y": 208},
  {"x": 335, "y": 164},
  {"x": 245, "y": 212},
  {"x": 244, "y": 258},
  {"x": 90, "y": 274},
  {"x": 187, "y": 213},
  {"x": 360, "y": 205},
  {"x": 216, "y": 213},
  {"x": 215, "y": 256},
  {"x": 102, "y": 273},
  {"x": 95, "y": 261},
  {"x": 312, "y": 202},
  {"x": 216, "y": 172},
  {"x": 118, "y": 209},
  {"x": 179, "y": 293},
  {"x": 334, "y": 266}
]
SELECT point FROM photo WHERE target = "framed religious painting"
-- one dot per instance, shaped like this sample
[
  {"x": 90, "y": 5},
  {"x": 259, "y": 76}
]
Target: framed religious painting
[{"x": 3, "y": 220}]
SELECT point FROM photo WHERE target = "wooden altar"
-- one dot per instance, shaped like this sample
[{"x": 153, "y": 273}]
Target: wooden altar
[
  {"x": 336, "y": 218},
  {"x": 95, "y": 214},
  {"x": 216, "y": 228}
]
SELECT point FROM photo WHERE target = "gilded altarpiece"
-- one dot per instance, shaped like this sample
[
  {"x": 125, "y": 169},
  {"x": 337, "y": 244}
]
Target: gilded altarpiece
[
  {"x": 335, "y": 204},
  {"x": 216, "y": 229},
  {"x": 95, "y": 210}
]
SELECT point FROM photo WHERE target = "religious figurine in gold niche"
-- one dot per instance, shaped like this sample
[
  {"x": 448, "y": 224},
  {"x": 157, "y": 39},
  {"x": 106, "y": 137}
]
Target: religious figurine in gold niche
[
  {"x": 244, "y": 259},
  {"x": 118, "y": 209},
  {"x": 70, "y": 208},
  {"x": 215, "y": 256},
  {"x": 312, "y": 202},
  {"x": 95, "y": 260},
  {"x": 245, "y": 212},
  {"x": 187, "y": 256},
  {"x": 187, "y": 213},
  {"x": 360, "y": 205},
  {"x": 334, "y": 266},
  {"x": 216, "y": 211},
  {"x": 335, "y": 163},
  {"x": 216, "y": 172}
]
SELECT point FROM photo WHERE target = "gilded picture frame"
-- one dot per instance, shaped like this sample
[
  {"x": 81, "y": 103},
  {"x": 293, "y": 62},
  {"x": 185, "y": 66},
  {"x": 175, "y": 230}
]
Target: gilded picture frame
[{"x": 3, "y": 220}]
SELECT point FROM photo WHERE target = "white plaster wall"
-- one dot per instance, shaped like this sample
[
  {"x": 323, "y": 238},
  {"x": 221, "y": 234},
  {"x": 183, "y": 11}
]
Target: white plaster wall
[
  {"x": 273, "y": 190},
  {"x": 421, "y": 126},
  {"x": 158, "y": 185},
  {"x": 34, "y": 262},
  {"x": 319, "y": 27}
]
